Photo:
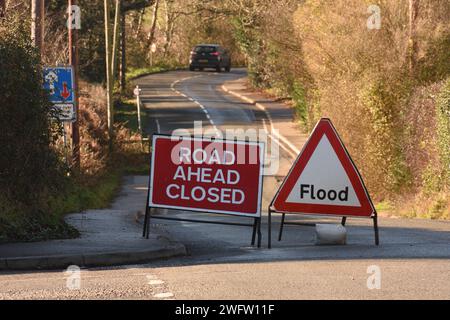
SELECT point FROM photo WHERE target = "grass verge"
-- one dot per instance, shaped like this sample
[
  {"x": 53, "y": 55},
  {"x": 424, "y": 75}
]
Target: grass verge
[
  {"x": 137, "y": 72},
  {"x": 16, "y": 224}
]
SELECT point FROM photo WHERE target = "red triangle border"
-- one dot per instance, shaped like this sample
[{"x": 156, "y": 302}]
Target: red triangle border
[{"x": 324, "y": 127}]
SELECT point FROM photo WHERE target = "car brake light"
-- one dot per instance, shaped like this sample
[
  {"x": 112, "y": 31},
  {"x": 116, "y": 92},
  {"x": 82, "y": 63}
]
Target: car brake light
[{"x": 215, "y": 54}]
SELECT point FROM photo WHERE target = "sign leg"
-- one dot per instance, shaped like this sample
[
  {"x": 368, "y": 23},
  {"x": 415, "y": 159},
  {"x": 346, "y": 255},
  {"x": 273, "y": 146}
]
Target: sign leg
[
  {"x": 255, "y": 225},
  {"x": 281, "y": 227},
  {"x": 269, "y": 227},
  {"x": 259, "y": 233},
  {"x": 375, "y": 227},
  {"x": 144, "y": 229},
  {"x": 344, "y": 219},
  {"x": 147, "y": 228}
]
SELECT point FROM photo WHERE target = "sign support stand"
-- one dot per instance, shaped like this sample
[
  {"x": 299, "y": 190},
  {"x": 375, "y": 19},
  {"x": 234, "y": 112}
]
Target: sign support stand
[
  {"x": 66, "y": 158},
  {"x": 269, "y": 227},
  {"x": 343, "y": 221},
  {"x": 327, "y": 149},
  {"x": 256, "y": 225},
  {"x": 375, "y": 228}
]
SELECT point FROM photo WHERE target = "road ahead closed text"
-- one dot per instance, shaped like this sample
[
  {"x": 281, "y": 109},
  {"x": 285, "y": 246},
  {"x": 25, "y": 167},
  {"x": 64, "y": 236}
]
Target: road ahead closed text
[{"x": 215, "y": 176}]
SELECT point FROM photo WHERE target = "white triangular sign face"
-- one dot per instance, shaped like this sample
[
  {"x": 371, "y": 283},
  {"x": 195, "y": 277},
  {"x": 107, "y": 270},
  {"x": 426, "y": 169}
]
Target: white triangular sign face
[{"x": 324, "y": 180}]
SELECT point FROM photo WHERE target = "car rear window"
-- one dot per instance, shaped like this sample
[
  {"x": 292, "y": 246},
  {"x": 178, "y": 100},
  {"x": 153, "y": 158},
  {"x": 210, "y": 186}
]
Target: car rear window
[{"x": 205, "y": 49}]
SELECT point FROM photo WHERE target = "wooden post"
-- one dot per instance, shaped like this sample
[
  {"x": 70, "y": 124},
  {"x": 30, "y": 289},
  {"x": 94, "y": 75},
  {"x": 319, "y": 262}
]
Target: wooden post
[
  {"x": 108, "y": 71},
  {"x": 2, "y": 8},
  {"x": 73, "y": 60},
  {"x": 115, "y": 41},
  {"x": 151, "y": 33},
  {"x": 123, "y": 55},
  {"x": 37, "y": 24}
]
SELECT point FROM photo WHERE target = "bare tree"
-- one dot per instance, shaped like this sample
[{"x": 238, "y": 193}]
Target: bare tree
[
  {"x": 2, "y": 8},
  {"x": 115, "y": 45},
  {"x": 109, "y": 82},
  {"x": 137, "y": 23},
  {"x": 413, "y": 47},
  {"x": 151, "y": 33},
  {"x": 170, "y": 18},
  {"x": 37, "y": 23}
]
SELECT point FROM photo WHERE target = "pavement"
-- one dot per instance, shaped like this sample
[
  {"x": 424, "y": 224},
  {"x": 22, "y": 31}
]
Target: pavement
[{"x": 108, "y": 237}]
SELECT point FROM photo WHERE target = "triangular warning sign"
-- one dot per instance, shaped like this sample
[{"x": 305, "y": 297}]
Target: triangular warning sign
[{"x": 324, "y": 179}]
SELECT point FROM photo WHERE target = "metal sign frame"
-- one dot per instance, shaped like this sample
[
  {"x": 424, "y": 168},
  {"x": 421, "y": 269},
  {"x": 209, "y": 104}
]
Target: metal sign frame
[
  {"x": 271, "y": 209},
  {"x": 256, "y": 225}
]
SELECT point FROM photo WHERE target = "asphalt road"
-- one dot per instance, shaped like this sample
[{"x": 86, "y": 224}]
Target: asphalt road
[{"x": 412, "y": 261}]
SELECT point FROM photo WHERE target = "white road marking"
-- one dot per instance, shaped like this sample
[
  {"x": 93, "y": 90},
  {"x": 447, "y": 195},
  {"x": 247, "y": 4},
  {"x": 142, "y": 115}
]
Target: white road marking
[
  {"x": 158, "y": 285},
  {"x": 163, "y": 295},
  {"x": 294, "y": 150},
  {"x": 208, "y": 116},
  {"x": 155, "y": 282},
  {"x": 277, "y": 141}
]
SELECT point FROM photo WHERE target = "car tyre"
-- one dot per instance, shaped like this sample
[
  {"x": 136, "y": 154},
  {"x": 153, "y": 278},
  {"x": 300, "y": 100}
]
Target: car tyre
[
  {"x": 191, "y": 68},
  {"x": 218, "y": 69},
  {"x": 228, "y": 68}
]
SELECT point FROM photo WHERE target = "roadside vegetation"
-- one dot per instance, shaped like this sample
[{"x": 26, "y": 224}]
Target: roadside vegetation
[
  {"x": 381, "y": 73},
  {"x": 38, "y": 182}
]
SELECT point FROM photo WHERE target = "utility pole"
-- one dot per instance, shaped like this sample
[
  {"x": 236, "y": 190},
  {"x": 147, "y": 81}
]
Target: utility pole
[
  {"x": 115, "y": 40},
  {"x": 73, "y": 60},
  {"x": 123, "y": 49},
  {"x": 413, "y": 47},
  {"x": 108, "y": 71},
  {"x": 37, "y": 24}
]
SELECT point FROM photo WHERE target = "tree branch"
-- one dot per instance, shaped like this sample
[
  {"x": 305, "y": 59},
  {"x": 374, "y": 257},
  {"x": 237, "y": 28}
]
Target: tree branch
[{"x": 136, "y": 5}]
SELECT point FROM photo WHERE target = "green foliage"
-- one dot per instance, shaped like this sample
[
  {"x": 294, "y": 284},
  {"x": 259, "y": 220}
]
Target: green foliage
[
  {"x": 251, "y": 44},
  {"x": 31, "y": 169},
  {"x": 298, "y": 95},
  {"x": 29, "y": 164},
  {"x": 443, "y": 132},
  {"x": 384, "y": 138},
  {"x": 435, "y": 65},
  {"x": 17, "y": 225},
  {"x": 137, "y": 72},
  {"x": 436, "y": 176}
]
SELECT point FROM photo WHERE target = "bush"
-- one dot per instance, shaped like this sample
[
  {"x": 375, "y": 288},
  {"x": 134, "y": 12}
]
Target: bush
[
  {"x": 31, "y": 169},
  {"x": 443, "y": 133},
  {"x": 29, "y": 165}
]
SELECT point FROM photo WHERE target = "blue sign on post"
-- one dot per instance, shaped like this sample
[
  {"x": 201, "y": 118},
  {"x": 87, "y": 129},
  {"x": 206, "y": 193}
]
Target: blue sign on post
[{"x": 58, "y": 81}]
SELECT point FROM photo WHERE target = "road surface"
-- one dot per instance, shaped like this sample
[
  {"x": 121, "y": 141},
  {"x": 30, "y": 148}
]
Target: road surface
[{"x": 412, "y": 261}]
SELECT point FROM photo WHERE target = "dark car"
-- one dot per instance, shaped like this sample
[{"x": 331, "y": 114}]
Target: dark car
[{"x": 210, "y": 56}]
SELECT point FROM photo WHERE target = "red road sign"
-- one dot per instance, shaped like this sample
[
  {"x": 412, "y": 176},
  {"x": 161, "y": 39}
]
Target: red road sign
[
  {"x": 324, "y": 179},
  {"x": 206, "y": 175}
]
